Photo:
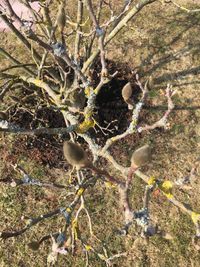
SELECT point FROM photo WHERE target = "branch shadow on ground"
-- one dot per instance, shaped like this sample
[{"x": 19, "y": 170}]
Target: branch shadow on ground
[{"x": 176, "y": 39}]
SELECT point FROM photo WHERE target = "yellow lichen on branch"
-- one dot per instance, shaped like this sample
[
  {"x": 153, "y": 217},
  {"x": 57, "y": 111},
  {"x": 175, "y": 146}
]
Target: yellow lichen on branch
[
  {"x": 41, "y": 84},
  {"x": 75, "y": 228},
  {"x": 85, "y": 125},
  {"x": 80, "y": 191},
  {"x": 152, "y": 180},
  {"x": 166, "y": 188},
  {"x": 195, "y": 217},
  {"x": 88, "y": 90},
  {"x": 88, "y": 247}
]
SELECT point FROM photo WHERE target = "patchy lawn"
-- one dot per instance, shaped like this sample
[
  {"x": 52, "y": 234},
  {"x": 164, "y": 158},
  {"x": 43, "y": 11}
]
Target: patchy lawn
[{"x": 161, "y": 42}]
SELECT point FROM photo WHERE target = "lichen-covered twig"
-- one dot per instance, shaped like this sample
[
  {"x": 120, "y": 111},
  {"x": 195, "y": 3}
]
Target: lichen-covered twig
[
  {"x": 101, "y": 35},
  {"x": 65, "y": 211},
  {"x": 133, "y": 11},
  {"x": 52, "y": 79},
  {"x": 163, "y": 121},
  {"x": 133, "y": 124},
  {"x": 19, "y": 35},
  {"x": 29, "y": 180},
  {"x": 31, "y": 222},
  {"x": 183, "y": 7},
  {"x": 15, "y": 61},
  {"x": 11, "y": 128}
]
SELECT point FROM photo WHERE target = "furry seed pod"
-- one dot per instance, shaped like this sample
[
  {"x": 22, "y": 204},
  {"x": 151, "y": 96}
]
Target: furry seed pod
[
  {"x": 127, "y": 92},
  {"x": 141, "y": 156},
  {"x": 75, "y": 155}
]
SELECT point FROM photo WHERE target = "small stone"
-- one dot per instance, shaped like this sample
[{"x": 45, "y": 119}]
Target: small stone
[{"x": 13, "y": 184}]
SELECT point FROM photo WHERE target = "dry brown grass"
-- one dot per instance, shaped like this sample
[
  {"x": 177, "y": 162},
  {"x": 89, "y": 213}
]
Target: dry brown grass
[{"x": 149, "y": 44}]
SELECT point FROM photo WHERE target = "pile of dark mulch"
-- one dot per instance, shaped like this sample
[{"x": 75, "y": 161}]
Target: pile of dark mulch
[{"x": 111, "y": 114}]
